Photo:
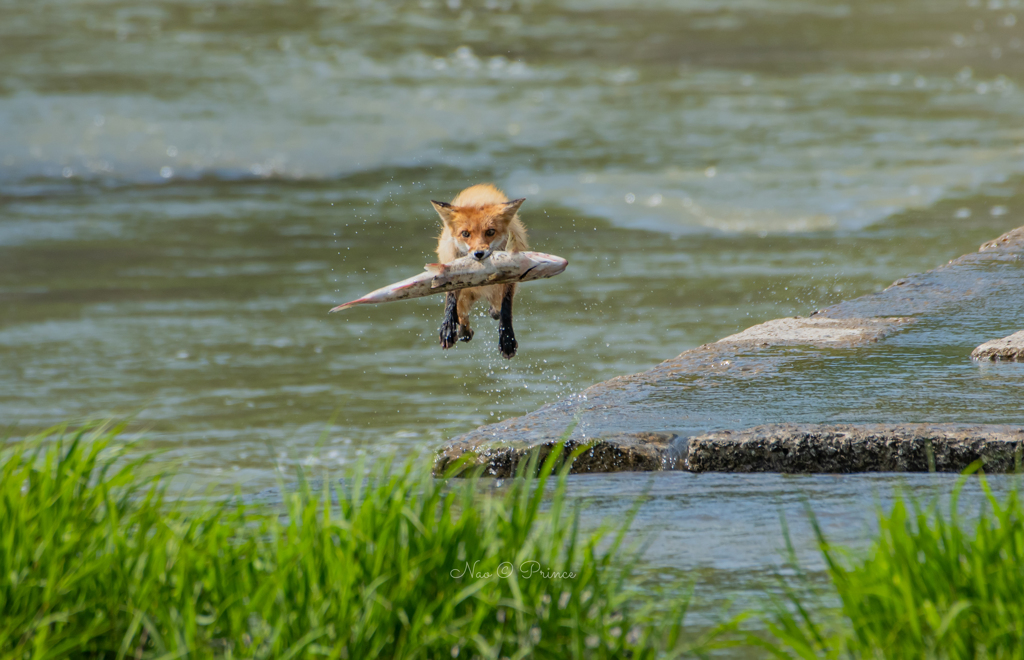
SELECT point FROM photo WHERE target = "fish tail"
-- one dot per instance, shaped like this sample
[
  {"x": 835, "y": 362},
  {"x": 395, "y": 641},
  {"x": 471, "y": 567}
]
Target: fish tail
[{"x": 351, "y": 303}]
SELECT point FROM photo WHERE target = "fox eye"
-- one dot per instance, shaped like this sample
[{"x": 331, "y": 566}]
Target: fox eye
[
  {"x": 489, "y": 232},
  {"x": 465, "y": 234}
]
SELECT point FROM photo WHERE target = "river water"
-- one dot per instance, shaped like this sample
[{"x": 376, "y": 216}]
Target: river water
[{"x": 186, "y": 187}]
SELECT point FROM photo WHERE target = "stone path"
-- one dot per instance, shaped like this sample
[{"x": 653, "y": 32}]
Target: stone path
[{"x": 707, "y": 409}]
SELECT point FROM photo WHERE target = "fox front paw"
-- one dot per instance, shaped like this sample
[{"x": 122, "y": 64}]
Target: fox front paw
[
  {"x": 507, "y": 342},
  {"x": 449, "y": 333},
  {"x": 465, "y": 333}
]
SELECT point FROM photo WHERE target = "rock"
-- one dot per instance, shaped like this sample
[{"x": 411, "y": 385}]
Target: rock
[
  {"x": 1011, "y": 239},
  {"x": 756, "y": 376},
  {"x": 792, "y": 448},
  {"x": 1007, "y": 348},
  {"x": 817, "y": 331},
  {"x": 849, "y": 448},
  {"x": 599, "y": 409},
  {"x": 622, "y": 452}
]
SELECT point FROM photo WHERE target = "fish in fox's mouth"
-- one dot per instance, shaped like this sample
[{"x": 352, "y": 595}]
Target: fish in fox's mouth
[{"x": 497, "y": 268}]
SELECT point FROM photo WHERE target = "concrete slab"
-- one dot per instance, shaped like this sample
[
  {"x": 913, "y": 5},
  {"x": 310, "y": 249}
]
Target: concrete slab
[
  {"x": 621, "y": 452},
  {"x": 858, "y": 448}
]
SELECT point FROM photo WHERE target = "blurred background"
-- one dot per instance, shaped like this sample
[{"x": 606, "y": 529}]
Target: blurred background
[{"x": 187, "y": 186}]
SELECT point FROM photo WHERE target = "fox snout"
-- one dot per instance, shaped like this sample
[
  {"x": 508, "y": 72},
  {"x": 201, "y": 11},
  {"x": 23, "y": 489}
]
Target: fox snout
[{"x": 480, "y": 255}]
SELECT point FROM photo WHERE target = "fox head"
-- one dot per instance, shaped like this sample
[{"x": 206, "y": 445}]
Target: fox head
[{"x": 478, "y": 230}]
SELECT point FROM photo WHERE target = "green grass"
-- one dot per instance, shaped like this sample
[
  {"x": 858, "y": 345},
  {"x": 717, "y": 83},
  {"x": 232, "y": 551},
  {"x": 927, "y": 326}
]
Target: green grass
[
  {"x": 97, "y": 561},
  {"x": 933, "y": 585}
]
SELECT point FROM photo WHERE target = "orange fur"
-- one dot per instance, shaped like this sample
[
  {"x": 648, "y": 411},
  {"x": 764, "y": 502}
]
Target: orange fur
[
  {"x": 476, "y": 210},
  {"x": 480, "y": 219}
]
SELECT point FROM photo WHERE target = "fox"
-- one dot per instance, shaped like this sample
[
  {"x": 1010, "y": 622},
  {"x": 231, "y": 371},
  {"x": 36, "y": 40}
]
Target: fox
[{"x": 479, "y": 221}]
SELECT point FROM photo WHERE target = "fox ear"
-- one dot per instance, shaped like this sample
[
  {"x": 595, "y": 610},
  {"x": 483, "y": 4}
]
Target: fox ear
[
  {"x": 511, "y": 208},
  {"x": 446, "y": 211}
]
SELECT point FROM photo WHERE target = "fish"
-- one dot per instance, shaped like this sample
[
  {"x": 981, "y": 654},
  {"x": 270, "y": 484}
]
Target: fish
[{"x": 466, "y": 272}]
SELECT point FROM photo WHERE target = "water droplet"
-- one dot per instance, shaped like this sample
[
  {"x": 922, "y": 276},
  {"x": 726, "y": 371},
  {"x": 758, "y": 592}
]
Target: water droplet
[
  {"x": 895, "y": 79},
  {"x": 711, "y": 172},
  {"x": 746, "y": 80},
  {"x": 182, "y": 355},
  {"x": 67, "y": 172},
  {"x": 997, "y": 211},
  {"x": 166, "y": 171},
  {"x": 630, "y": 198},
  {"x": 963, "y": 213},
  {"x": 172, "y": 151},
  {"x": 654, "y": 200}
]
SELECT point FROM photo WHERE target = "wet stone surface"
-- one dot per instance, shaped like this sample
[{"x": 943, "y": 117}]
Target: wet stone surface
[
  {"x": 903, "y": 350},
  {"x": 816, "y": 331},
  {"x": 858, "y": 448},
  {"x": 621, "y": 452}
]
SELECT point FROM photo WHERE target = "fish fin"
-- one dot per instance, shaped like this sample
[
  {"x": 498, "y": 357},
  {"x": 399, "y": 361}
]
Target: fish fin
[
  {"x": 435, "y": 268},
  {"x": 438, "y": 282}
]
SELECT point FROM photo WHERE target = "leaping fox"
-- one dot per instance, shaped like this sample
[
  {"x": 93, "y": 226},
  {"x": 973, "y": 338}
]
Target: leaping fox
[{"x": 480, "y": 220}]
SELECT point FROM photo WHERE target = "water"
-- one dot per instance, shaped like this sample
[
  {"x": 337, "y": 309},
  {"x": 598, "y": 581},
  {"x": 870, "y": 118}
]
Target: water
[
  {"x": 187, "y": 187},
  {"x": 726, "y": 533}
]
